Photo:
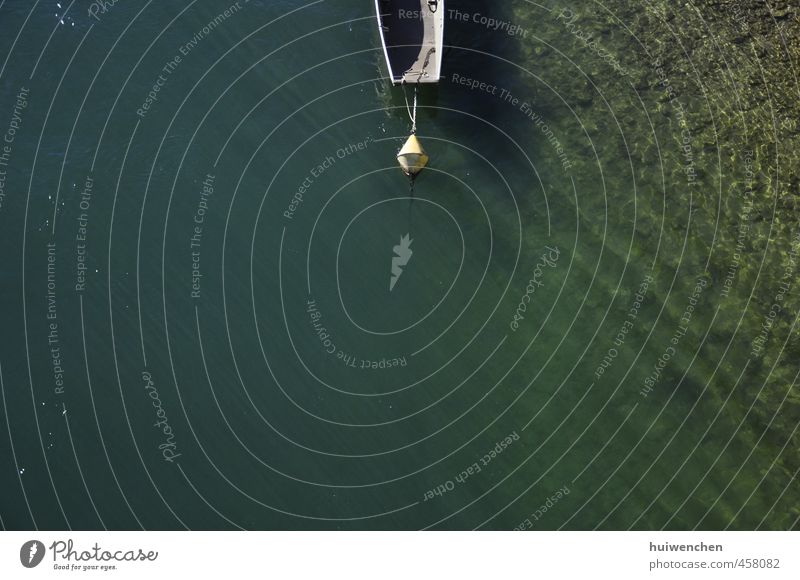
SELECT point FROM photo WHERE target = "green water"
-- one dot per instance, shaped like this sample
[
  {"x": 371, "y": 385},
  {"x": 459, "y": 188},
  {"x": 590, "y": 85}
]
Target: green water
[{"x": 198, "y": 325}]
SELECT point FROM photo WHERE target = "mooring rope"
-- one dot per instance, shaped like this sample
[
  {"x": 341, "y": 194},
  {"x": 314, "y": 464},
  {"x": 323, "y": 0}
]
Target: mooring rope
[{"x": 411, "y": 114}]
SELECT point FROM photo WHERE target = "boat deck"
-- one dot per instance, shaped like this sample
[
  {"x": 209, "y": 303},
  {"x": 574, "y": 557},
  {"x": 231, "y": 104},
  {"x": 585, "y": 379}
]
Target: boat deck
[{"x": 411, "y": 31}]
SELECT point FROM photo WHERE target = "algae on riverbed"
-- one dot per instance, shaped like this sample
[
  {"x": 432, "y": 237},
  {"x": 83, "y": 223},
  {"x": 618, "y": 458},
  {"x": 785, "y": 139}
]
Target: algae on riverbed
[{"x": 683, "y": 122}]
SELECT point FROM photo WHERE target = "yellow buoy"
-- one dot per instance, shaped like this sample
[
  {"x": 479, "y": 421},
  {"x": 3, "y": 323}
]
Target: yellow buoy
[{"x": 412, "y": 157}]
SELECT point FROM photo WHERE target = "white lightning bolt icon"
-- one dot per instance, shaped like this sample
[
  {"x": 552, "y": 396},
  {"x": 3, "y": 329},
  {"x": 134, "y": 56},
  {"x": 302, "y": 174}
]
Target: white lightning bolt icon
[{"x": 403, "y": 253}]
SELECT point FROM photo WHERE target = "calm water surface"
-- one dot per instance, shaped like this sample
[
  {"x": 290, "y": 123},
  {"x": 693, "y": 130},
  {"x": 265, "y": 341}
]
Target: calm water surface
[{"x": 199, "y": 222}]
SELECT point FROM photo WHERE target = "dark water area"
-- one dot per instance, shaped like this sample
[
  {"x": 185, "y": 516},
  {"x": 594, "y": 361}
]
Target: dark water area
[{"x": 224, "y": 307}]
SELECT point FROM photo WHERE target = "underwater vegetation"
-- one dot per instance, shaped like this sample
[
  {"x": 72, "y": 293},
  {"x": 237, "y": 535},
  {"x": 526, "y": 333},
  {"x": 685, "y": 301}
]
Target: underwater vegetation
[{"x": 688, "y": 115}]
